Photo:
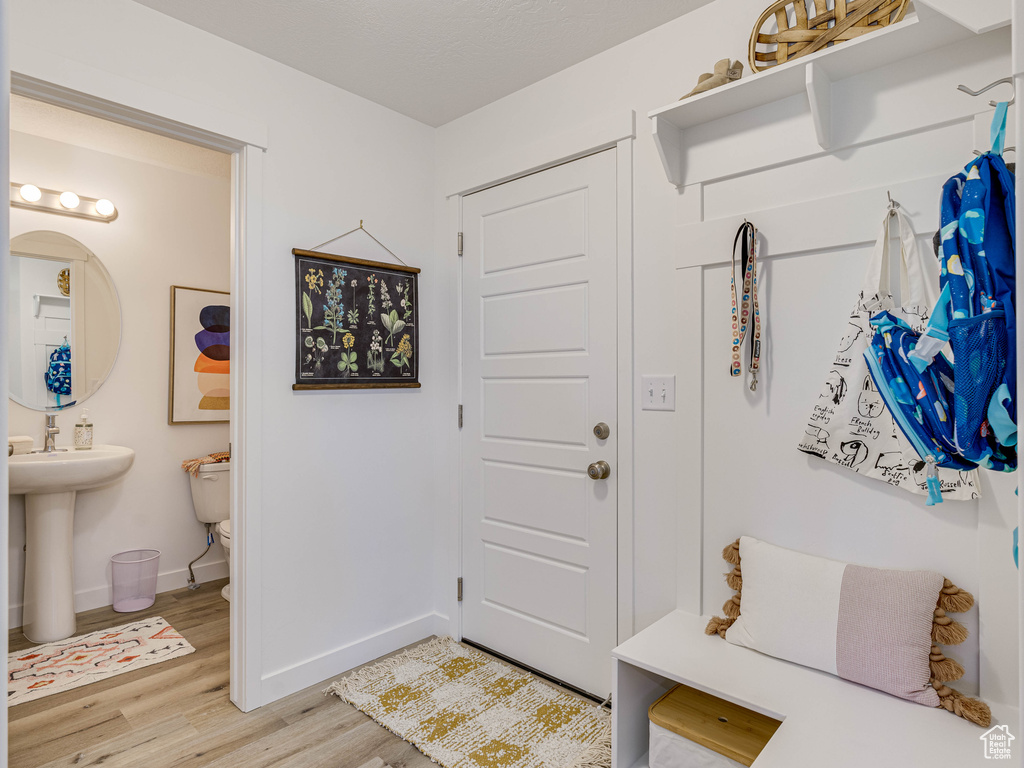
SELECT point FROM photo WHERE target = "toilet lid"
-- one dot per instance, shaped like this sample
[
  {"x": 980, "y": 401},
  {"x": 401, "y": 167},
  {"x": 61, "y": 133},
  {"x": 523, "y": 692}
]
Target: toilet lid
[{"x": 224, "y": 528}]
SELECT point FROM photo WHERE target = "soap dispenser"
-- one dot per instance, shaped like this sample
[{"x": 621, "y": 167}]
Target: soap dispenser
[{"x": 83, "y": 433}]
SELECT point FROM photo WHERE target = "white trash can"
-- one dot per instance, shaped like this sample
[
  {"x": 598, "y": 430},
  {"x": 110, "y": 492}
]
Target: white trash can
[{"x": 134, "y": 575}]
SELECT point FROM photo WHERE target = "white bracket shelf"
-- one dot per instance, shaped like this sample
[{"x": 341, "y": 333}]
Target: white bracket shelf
[
  {"x": 979, "y": 16},
  {"x": 928, "y": 28}
]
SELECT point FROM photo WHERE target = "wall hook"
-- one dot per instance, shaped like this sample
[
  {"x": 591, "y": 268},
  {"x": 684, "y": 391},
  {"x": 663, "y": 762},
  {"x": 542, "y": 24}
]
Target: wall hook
[{"x": 1005, "y": 81}]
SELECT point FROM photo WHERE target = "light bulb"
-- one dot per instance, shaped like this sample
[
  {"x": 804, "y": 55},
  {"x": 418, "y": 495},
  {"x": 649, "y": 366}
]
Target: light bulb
[
  {"x": 69, "y": 200},
  {"x": 30, "y": 193},
  {"x": 104, "y": 207}
]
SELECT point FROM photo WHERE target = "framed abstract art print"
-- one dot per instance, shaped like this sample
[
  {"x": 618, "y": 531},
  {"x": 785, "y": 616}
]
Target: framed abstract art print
[{"x": 200, "y": 367}]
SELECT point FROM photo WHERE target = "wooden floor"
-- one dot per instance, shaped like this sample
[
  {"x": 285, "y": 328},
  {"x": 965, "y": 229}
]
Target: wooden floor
[{"x": 177, "y": 713}]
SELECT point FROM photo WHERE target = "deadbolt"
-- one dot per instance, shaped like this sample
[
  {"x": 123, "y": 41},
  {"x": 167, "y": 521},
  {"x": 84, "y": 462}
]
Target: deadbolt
[
  {"x": 602, "y": 431},
  {"x": 599, "y": 470}
]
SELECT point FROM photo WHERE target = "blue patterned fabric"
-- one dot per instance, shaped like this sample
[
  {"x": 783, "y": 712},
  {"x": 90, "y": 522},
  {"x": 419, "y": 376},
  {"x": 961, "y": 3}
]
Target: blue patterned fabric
[
  {"x": 920, "y": 402},
  {"x": 964, "y": 414},
  {"x": 58, "y": 373}
]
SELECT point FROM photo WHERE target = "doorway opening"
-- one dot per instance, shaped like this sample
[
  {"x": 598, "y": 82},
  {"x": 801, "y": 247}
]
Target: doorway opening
[{"x": 240, "y": 169}]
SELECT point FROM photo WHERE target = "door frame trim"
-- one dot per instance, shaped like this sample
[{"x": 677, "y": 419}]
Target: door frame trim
[
  {"x": 111, "y": 97},
  {"x": 614, "y": 136}
]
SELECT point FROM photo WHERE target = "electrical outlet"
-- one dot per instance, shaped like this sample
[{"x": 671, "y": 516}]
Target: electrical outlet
[{"x": 659, "y": 393}]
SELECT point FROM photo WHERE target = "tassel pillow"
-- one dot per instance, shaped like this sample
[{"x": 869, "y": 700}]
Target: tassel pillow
[{"x": 872, "y": 626}]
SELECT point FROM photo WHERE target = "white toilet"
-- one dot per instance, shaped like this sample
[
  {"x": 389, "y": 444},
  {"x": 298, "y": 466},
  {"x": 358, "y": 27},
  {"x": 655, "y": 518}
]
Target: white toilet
[{"x": 211, "y": 497}]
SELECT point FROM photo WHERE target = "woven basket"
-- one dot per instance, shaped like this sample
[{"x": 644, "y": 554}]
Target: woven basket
[{"x": 806, "y": 26}]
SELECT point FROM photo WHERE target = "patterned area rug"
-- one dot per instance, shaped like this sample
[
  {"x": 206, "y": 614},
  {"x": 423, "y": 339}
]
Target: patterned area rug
[
  {"x": 464, "y": 709},
  {"x": 66, "y": 664}
]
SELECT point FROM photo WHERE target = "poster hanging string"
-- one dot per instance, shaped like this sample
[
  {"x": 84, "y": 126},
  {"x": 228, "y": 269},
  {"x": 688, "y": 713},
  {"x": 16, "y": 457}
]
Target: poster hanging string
[{"x": 364, "y": 229}]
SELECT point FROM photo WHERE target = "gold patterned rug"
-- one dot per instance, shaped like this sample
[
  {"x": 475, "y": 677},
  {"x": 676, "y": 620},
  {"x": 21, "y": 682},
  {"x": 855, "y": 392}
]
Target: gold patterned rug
[{"x": 464, "y": 709}]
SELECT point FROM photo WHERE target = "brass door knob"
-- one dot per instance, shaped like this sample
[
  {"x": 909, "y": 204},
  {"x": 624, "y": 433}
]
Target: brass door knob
[
  {"x": 602, "y": 431},
  {"x": 599, "y": 470}
]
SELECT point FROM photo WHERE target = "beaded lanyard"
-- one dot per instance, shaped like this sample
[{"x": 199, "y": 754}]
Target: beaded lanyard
[{"x": 747, "y": 233}]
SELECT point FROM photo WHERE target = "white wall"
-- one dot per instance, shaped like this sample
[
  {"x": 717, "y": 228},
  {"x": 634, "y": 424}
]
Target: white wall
[
  {"x": 345, "y": 567},
  {"x": 695, "y": 491},
  {"x": 172, "y": 229}
]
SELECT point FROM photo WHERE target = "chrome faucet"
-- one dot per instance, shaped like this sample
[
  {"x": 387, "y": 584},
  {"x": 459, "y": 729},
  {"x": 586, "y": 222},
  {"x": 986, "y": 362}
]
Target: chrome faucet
[{"x": 51, "y": 431}]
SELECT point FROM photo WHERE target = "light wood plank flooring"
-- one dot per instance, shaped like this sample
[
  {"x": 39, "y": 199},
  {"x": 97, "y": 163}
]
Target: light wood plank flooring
[{"x": 177, "y": 713}]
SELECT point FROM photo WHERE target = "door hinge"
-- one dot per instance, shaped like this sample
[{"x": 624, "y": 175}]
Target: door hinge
[
  {"x": 460, "y": 244},
  {"x": 460, "y": 415},
  {"x": 460, "y": 589}
]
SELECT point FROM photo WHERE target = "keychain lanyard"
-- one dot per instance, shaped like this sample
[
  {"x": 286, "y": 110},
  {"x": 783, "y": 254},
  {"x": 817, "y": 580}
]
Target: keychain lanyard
[{"x": 747, "y": 234}]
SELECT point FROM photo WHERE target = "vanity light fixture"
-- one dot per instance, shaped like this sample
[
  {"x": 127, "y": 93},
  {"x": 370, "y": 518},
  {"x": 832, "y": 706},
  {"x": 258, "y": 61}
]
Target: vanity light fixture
[
  {"x": 66, "y": 203},
  {"x": 30, "y": 193},
  {"x": 70, "y": 200}
]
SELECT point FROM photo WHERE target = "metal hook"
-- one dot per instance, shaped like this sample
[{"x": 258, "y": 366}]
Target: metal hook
[
  {"x": 893, "y": 205},
  {"x": 1005, "y": 150},
  {"x": 1005, "y": 81}
]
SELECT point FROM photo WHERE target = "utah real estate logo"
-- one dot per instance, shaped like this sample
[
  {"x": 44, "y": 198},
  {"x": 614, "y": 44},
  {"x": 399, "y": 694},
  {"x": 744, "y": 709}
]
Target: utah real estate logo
[{"x": 997, "y": 742}]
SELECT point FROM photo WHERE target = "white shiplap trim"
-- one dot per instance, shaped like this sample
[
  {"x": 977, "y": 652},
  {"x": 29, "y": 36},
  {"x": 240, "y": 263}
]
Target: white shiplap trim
[{"x": 826, "y": 223}]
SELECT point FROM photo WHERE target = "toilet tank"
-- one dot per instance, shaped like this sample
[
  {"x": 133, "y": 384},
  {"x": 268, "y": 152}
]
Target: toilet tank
[{"x": 211, "y": 492}]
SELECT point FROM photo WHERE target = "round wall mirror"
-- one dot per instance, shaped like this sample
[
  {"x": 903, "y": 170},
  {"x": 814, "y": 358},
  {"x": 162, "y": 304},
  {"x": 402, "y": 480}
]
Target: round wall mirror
[{"x": 64, "y": 321}]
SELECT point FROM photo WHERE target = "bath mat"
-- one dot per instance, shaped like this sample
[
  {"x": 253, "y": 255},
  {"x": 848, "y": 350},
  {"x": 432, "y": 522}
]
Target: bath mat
[
  {"x": 463, "y": 709},
  {"x": 66, "y": 664}
]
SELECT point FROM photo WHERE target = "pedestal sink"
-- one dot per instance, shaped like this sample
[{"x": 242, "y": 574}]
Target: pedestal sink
[{"x": 50, "y": 482}]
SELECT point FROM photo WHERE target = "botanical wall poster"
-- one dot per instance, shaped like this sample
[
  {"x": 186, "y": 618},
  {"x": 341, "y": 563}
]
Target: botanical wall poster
[
  {"x": 200, "y": 390},
  {"x": 356, "y": 323}
]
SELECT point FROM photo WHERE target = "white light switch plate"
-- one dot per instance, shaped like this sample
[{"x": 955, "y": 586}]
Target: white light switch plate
[{"x": 659, "y": 393}]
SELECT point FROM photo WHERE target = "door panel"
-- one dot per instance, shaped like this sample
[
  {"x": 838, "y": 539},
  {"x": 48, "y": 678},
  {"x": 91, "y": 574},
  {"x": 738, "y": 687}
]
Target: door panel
[
  {"x": 509, "y": 330},
  {"x": 536, "y": 232},
  {"x": 540, "y": 589},
  {"x": 511, "y": 490},
  {"x": 539, "y": 372},
  {"x": 538, "y": 410}
]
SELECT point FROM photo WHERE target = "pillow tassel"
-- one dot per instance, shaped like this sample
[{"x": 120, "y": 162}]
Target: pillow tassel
[
  {"x": 952, "y": 599},
  {"x": 944, "y": 669},
  {"x": 718, "y": 626},
  {"x": 963, "y": 706},
  {"x": 735, "y": 579},
  {"x": 732, "y": 607},
  {"x": 947, "y": 631},
  {"x": 731, "y": 554}
]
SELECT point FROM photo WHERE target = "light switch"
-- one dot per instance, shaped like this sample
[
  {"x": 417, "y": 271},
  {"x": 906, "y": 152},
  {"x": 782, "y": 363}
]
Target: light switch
[{"x": 659, "y": 393}]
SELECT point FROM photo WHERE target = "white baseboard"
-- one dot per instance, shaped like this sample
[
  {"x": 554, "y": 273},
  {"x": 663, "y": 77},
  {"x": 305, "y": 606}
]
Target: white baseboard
[
  {"x": 277, "y": 685},
  {"x": 98, "y": 597}
]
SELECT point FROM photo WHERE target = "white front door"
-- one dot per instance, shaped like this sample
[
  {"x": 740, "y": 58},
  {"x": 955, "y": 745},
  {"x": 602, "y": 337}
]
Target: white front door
[{"x": 539, "y": 374}]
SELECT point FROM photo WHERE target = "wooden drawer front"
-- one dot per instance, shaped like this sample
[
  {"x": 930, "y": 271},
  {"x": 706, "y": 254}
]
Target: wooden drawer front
[{"x": 723, "y": 727}]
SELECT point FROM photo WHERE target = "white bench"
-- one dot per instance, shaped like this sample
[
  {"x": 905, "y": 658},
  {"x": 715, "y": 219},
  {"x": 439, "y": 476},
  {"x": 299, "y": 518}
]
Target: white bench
[{"x": 827, "y": 722}]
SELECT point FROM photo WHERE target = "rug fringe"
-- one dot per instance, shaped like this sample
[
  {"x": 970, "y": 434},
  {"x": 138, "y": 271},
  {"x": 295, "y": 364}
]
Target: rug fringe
[{"x": 597, "y": 755}]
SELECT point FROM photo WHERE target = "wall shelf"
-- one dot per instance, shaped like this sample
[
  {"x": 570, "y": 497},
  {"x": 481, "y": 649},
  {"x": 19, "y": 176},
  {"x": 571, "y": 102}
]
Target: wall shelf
[{"x": 923, "y": 30}]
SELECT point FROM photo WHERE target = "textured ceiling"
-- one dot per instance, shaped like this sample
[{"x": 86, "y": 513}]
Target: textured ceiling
[{"x": 434, "y": 60}]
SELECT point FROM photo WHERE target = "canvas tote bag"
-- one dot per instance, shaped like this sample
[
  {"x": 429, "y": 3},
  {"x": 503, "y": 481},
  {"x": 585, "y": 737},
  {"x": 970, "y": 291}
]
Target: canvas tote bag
[{"x": 849, "y": 424}]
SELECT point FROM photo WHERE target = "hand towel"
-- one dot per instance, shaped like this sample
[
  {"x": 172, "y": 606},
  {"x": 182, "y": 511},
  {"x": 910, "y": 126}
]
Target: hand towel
[
  {"x": 192, "y": 465},
  {"x": 22, "y": 444}
]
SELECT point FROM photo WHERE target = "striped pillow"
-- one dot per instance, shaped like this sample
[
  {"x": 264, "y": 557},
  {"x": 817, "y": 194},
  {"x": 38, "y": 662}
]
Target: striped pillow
[{"x": 877, "y": 627}]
